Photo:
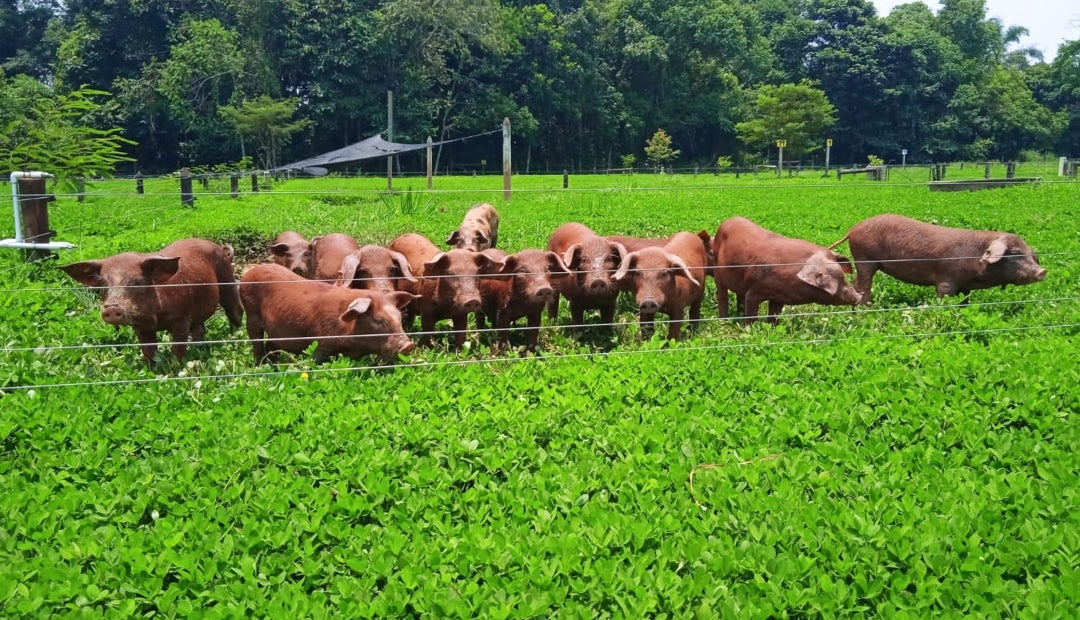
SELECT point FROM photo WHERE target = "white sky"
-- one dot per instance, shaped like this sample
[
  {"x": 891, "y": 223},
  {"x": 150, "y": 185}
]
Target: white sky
[{"x": 1050, "y": 22}]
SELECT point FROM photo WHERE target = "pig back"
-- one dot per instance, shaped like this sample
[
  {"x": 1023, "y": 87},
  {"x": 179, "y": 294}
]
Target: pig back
[{"x": 328, "y": 253}]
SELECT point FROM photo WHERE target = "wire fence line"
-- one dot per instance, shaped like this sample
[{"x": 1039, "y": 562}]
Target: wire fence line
[
  {"x": 419, "y": 365},
  {"x": 42, "y": 349},
  {"x": 708, "y": 269}
]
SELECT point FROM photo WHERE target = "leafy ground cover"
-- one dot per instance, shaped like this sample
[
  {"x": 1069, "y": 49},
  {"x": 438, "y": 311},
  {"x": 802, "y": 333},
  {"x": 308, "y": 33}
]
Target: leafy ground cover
[{"x": 909, "y": 459}]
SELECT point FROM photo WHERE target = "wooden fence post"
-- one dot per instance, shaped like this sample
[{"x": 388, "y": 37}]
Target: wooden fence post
[
  {"x": 234, "y": 185},
  {"x": 139, "y": 183},
  {"x": 565, "y": 179},
  {"x": 254, "y": 183},
  {"x": 506, "y": 157},
  {"x": 187, "y": 195},
  {"x": 1010, "y": 170},
  {"x": 986, "y": 171},
  {"x": 430, "y": 183},
  {"x": 34, "y": 208}
]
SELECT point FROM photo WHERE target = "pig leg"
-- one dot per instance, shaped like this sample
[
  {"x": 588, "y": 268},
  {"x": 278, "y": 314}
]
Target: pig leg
[
  {"x": 607, "y": 313},
  {"x": 722, "y": 302},
  {"x": 645, "y": 324},
  {"x": 695, "y": 313},
  {"x": 148, "y": 344},
  {"x": 229, "y": 293},
  {"x": 460, "y": 323},
  {"x": 427, "y": 325},
  {"x": 577, "y": 314},
  {"x": 675, "y": 325},
  {"x": 180, "y": 335},
  {"x": 864, "y": 277},
  {"x": 533, "y": 334},
  {"x": 553, "y": 307},
  {"x": 753, "y": 303},
  {"x": 502, "y": 324},
  {"x": 255, "y": 335},
  {"x": 775, "y": 308}
]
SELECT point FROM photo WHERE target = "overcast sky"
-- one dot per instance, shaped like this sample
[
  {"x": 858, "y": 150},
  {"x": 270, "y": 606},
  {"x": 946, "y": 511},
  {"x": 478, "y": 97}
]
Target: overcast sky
[{"x": 1050, "y": 22}]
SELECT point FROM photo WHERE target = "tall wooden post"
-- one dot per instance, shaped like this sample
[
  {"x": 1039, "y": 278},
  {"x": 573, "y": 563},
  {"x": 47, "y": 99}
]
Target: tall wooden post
[
  {"x": 139, "y": 183},
  {"x": 234, "y": 185},
  {"x": 34, "y": 209},
  {"x": 430, "y": 184},
  {"x": 506, "y": 158},
  {"x": 254, "y": 183},
  {"x": 390, "y": 138}
]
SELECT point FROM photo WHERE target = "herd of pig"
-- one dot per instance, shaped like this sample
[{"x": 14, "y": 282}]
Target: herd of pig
[{"x": 355, "y": 301}]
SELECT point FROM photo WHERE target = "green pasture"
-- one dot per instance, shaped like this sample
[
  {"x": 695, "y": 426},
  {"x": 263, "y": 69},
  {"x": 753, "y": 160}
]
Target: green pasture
[{"x": 910, "y": 459}]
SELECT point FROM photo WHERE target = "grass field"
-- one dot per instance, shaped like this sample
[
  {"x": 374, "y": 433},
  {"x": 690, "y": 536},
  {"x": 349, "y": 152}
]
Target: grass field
[{"x": 910, "y": 459}]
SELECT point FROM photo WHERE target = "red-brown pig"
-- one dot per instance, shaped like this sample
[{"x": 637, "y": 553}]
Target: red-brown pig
[
  {"x": 376, "y": 268},
  {"x": 292, "y": 251},
  {"x": 328, "y": 252},
  {"x": 450, "y": 289},
  {"x": 417, "y": 250},
  {"x": 666, "y": 279},
  {"x": 592, "y": 261},
  {"x": 479, "y": 229},
  {"x": 955, "y": 261},
  {"x": 175, "y": 290},
  {"x": 760, "y": 265},
  {"x": 286, "y": 312},
  {"x": 633, "y": 244},
  {"x": 523, "y": 288}
]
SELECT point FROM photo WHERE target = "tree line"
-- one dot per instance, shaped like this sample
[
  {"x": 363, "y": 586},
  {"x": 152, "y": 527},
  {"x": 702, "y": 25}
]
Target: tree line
[{"x": 586, "y": 83}]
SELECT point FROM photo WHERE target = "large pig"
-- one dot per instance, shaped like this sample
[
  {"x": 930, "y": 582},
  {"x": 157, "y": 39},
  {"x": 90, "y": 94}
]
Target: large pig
[
  {"x": 450, "y": 289},
  {"x": 376, "y": 268},
  {"x": 175, "y": 290},
  {"x": 328, "y": 253},
  {"x": 955, "y": 261},
  {"x": 286, "y": 312},
  {"x": 522, "y": 288},
  {"x": 759, "y": 265},
  {"x": 478, "y": 231},
  {"x": 667, "y": 279},
  {"x": 292, "y": 251},
  {"x": 592, "y": 261}
]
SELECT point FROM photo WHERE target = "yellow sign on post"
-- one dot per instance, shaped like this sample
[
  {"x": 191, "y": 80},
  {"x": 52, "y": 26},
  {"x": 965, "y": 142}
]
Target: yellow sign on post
[
  {"x": 828, "y": 142},
  {"x": 781, "y": 143}
]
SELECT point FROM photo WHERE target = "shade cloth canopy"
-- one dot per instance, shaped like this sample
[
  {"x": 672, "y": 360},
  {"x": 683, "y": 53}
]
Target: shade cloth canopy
[{"x": 369, "y": 148}]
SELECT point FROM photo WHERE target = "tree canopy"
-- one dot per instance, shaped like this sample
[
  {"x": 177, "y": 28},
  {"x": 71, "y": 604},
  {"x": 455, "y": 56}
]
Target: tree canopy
[{"x": 584, "y": 82}]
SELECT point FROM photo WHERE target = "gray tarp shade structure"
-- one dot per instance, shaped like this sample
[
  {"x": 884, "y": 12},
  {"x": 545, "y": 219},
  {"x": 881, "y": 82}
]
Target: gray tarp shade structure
[{"x": 370, "y": 148}]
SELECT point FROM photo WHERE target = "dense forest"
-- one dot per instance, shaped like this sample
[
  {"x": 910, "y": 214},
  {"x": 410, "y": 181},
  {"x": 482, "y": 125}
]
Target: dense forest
[{"x": 586, "y": 83}]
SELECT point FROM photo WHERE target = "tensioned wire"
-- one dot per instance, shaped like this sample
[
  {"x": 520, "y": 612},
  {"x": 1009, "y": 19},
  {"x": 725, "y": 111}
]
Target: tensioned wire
[
  {"x": 533, "y": 359},
  {"x": 43, "y": 349}
]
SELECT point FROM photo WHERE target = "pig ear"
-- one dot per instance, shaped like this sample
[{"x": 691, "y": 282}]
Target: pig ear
[
  {"x": 845, "y": 264},
  {"x": 510, "y": 263},
  {"x": 86, "y": 273},
  {"x": 453, "y": 238},
  {"x": 403, "y": 265},
  {"x": 556, "y": 266},
  {"x": 627, "y": 263},
  {"x": 357, "y": 308},
  {"x": 486, "y": 264},
  {"x": 437, "y": 265},
  {"x": 570, "y": 256},
  {"x": 996, "y": 250},
  {"x": 402, "y": 298},
  {"x": 160, "y": 268},
  {"x": 348, "y": 270},
  {"x": 814, "y": 273},
  {"x": 679, "y": 266},
  {"x": 279, "y": 249}
]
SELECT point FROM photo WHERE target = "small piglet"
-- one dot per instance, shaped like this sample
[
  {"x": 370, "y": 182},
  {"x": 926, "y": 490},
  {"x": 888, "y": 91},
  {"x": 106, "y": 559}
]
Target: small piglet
[
  {"x": 286, "y": 312},
  {"x": 328, "y": 252},
  {"x": 666, "y": 279},
  {"x": 633, "y": 244},
  {"x": 417, "y": 250},
  {"x": 953, "y": 260},
  {"x": 292, "y": 251},
  {"x": 450, "y": 289},
  {"x": 479, "y": 229},
  {"x": 376, "y": 268},
  {"x": 592, "y": 261},
  {"x": 175, "y": 290},
  {"x": 522, "y": 288},
  {"x": 760, "y": 265}
]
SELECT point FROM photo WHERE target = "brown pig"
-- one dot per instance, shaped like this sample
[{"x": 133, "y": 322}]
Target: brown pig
[
  {"x": 286, "y": 312},
  {"x": 479, "y": 229},
  {"x": 417, "y": 250},
  {"x": 328, "y": 253},
  {"x": 523, "y": 288},
  {"x": 955, "y": 261},
  {"x": 292, "y": 251},
  {"x": 760, "y": 265},
  {"x": 376, "y": 268},
  {"x": 175, "y": 290},
  {"x": 667, "y": 279},
  {"x": 450, "y": 289},
  {"x": 633, "y": 244},
  {"x": 592, "y": 261}
]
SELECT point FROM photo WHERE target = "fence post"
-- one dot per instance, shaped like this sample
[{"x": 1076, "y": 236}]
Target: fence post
[
  {"x": 254, "y": 183},
  {"x": 986, "y": 171},
  {"x": 139, "y": 183},
  {"x": 565, "y": 179},
  {"x": 187, "y": 195},
  {"x": 430, "y": 184},
  {"x": 34, "y": 208},
  {"x": 1010, "y": 170},
  {"x": 506, "y": 157},
  {"x": 234, "y": 185}
]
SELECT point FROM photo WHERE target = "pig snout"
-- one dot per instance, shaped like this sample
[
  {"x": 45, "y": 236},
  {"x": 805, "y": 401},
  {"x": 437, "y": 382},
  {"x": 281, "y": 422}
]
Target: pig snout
[
  {"x": 471, "y": 304},
  {"x": 850, "y": 296},
  {"x": 544, "y": 293},
  {"x": 113, "y": 315},
  {"x": 298, "y": 270},
  {"x": 648, "y": 305},
  {"x": 598, "y": 285}
]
